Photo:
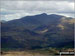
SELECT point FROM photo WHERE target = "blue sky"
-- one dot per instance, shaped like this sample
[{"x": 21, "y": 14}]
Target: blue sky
[{"x": 11, "y": 10}]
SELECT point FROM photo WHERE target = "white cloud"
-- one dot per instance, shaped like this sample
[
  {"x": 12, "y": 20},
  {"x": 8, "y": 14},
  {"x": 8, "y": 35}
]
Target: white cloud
[
  {"x": 39, "y": 0},
  {"x": 17, "y": 9},
  {"x": 36, "y": 5}
]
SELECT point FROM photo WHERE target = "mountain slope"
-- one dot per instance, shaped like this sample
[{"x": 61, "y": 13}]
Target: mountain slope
[{"x": 39, "y": 31}]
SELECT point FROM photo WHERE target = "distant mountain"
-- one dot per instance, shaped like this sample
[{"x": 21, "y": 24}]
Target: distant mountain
[
  {"x": 39, "y": 31},
  {"x": 2, "y": 21}
]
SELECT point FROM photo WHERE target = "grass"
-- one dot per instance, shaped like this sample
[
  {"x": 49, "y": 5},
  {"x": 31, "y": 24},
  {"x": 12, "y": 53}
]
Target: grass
[{"x": 37, "y": 52}]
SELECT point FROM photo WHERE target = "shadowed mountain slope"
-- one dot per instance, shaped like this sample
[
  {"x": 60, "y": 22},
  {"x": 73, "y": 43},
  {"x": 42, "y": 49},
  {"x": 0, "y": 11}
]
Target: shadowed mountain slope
[{"x": 39, "y": 31}]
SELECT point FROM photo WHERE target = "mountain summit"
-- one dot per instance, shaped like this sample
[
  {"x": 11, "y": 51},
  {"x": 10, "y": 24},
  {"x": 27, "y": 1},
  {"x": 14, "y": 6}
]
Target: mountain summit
[{"x": 39, "y": 31}]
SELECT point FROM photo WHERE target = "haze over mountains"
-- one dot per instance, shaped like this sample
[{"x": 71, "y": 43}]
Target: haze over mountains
[{"x": 39, "y": 31}]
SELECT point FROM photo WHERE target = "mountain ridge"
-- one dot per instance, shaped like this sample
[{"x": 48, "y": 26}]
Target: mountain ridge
[{"x": 38, "y": 31}]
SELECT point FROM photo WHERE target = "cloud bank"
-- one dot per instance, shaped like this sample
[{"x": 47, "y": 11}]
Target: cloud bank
[{"x": 16, "y": 9}]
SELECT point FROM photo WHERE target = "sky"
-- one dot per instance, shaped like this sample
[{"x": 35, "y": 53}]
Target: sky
[{"x": 10, "y": 10}]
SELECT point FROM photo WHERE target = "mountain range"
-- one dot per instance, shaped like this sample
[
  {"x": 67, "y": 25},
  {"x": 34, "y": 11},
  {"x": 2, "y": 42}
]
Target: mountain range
[{"x": 38, "y": 31}]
